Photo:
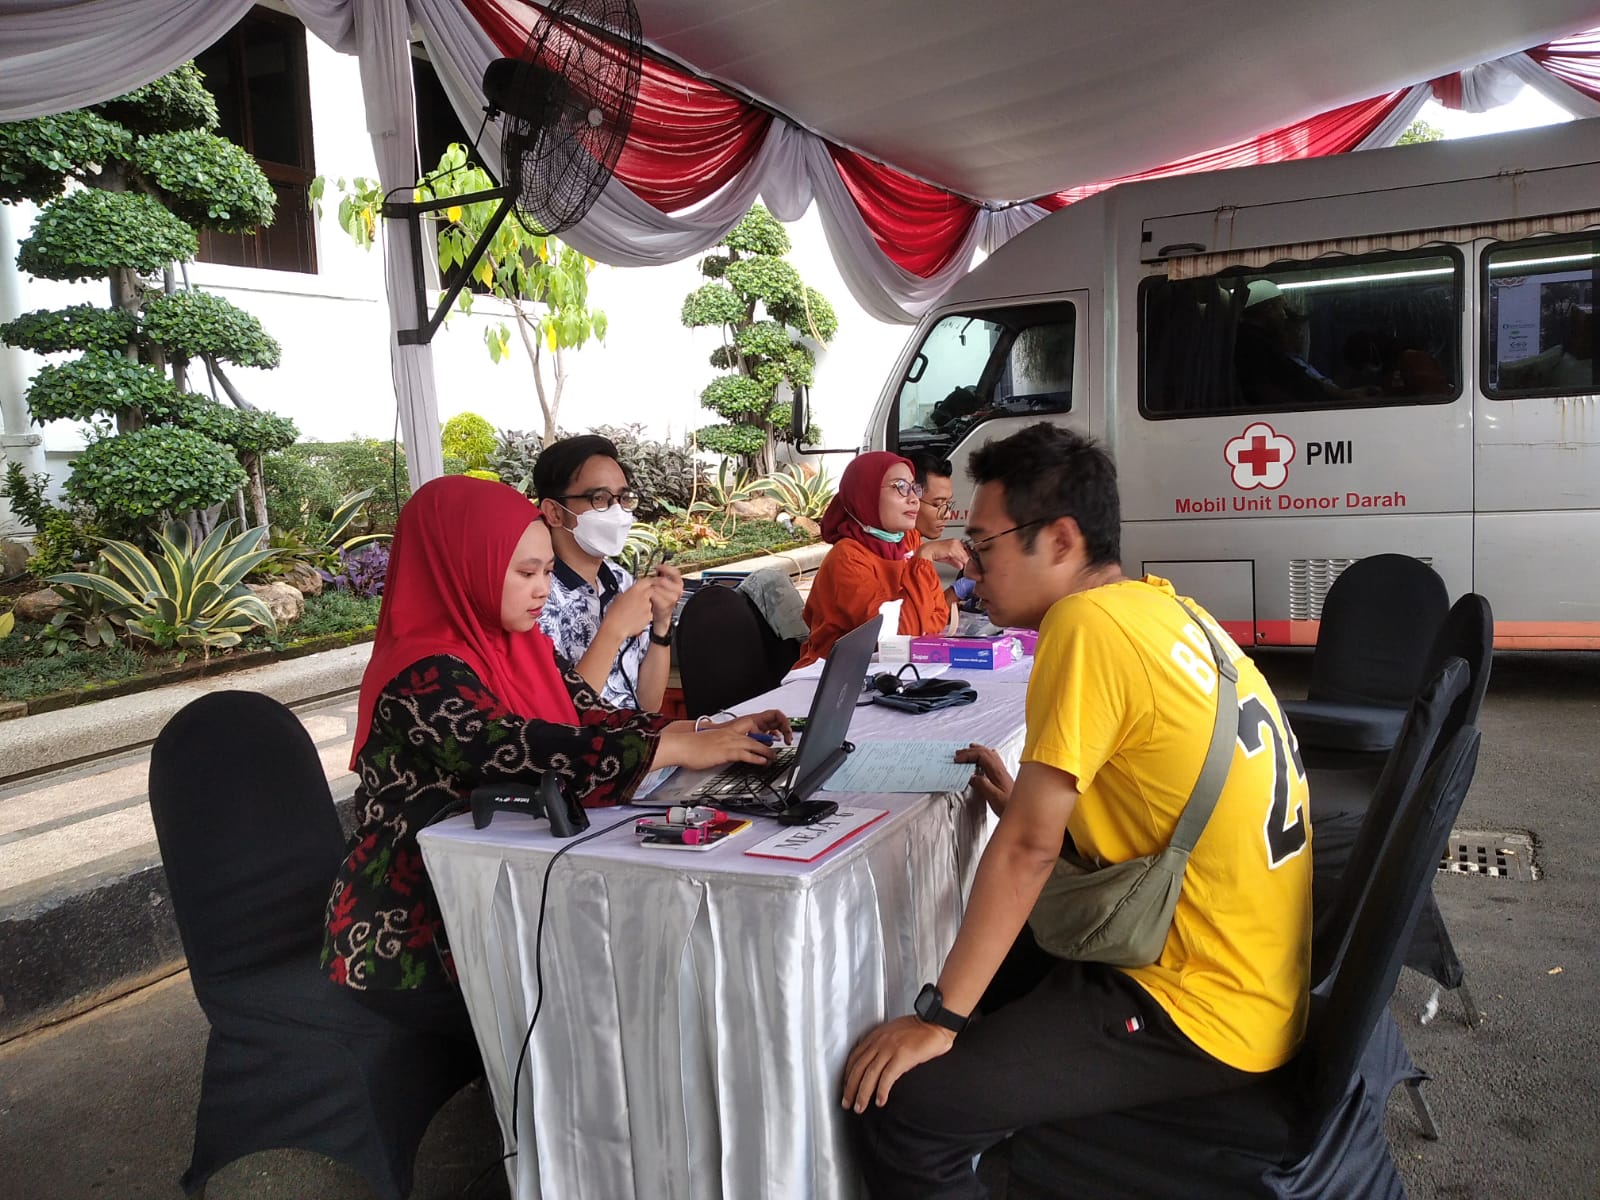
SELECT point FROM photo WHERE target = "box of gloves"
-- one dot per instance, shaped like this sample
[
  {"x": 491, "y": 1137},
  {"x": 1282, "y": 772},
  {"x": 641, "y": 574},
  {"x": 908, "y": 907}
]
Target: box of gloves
[{"x": 972, "y": 653}]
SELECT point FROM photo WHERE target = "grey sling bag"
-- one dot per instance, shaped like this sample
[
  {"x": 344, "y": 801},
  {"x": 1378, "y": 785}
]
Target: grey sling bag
[{"x": 1120, "y": 913}]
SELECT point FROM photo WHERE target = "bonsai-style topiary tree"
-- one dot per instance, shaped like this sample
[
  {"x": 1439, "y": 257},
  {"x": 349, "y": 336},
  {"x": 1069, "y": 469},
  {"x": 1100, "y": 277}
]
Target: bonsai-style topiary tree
[
  {"x": 767, "y": 316},
  {"x": 124, "y": 185}
]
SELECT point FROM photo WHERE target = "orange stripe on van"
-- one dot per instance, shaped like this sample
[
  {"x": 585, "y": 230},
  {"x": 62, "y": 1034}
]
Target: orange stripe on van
[
  {"x": 1508, "y": 635},
  {"x": 1547, "y": 635}
]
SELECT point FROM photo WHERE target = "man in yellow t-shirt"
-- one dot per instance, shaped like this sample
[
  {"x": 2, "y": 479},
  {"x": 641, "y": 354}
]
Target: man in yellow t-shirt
[{"x": 1120, "y": 711}]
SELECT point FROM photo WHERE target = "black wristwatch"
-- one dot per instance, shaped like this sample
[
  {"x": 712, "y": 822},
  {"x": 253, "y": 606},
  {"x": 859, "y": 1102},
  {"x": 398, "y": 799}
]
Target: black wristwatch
[
  {"x": 661, "y": 639},
  {"x": 930, "y": 1008}
]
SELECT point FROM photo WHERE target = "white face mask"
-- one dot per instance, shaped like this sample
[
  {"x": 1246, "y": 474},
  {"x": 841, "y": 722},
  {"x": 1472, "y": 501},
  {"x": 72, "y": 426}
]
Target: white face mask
[{"x": 603, "y": 534}]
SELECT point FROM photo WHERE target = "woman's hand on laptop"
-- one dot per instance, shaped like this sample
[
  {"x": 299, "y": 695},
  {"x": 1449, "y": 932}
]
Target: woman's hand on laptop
[
  {"x": 991, "y": 782},
  {"x": 712, "y": 746},
  {"x": 772, "y": 723}
]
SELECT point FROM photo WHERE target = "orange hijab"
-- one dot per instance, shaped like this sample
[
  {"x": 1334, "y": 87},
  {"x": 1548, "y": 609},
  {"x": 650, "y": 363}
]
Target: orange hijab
[{"x": 447, "y": 570}]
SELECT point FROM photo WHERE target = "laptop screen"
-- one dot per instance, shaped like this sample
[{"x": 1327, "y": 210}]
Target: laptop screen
[{"x": 833, "y": 706}]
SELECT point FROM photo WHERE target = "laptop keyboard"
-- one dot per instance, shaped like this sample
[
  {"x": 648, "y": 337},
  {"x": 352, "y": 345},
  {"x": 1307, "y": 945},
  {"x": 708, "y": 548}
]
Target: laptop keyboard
[{"x": 748, "y": 779}]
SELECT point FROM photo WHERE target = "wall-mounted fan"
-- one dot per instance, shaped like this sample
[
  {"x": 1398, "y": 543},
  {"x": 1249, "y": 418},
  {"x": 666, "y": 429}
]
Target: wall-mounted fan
[{"x": 565, "y": 104}]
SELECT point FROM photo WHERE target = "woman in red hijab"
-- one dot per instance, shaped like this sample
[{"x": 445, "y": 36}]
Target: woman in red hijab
[
  {"x": 464, "y": 689},
  {"x": 874, "y": 559}
]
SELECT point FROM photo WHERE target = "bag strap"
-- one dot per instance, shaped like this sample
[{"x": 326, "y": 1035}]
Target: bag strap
[{"x": 1219, "y": 756}]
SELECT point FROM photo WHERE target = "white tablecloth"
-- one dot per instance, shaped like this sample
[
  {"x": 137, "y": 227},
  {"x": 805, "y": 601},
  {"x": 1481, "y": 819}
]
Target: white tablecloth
[{"x": 698, "y": 1008}]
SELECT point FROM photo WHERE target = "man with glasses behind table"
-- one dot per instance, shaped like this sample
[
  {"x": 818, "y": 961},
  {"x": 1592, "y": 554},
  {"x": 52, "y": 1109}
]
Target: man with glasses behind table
[
  {"x": 1121, "y": 711},
  {"x": 617, "y": 632},
  {"x": 936, "y": 477}
]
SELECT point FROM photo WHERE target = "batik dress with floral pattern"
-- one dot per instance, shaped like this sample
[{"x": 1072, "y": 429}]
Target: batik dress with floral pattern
[{"x": 437, "y": 733}]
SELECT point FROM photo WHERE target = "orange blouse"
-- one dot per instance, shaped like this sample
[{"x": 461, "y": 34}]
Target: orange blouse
[{"x": 853, "y": 581}]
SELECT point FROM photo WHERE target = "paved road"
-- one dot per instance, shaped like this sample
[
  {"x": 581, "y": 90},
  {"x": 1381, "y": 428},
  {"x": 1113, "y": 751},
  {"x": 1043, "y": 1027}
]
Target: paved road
[{"x": 103, "y": 1106}]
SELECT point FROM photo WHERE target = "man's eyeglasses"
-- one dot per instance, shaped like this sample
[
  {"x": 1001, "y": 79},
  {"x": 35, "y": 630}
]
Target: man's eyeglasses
[
  {"x": 601, "y": 499},
  {"x": 905, "y": 488},
  {"x": 975, "y": 548},
  {"x": 942, "y": 507}
]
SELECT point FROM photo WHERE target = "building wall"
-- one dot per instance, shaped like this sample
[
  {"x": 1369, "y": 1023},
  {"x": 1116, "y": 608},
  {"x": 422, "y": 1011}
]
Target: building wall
[{"x": 334, "y": 380}]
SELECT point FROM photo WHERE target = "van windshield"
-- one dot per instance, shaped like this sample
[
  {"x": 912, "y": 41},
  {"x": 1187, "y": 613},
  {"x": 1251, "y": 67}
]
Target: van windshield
[{"x": 974, "y": 367}]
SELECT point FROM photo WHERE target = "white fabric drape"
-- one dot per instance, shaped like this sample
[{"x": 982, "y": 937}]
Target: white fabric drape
[{"x": 1553, "y": 88}]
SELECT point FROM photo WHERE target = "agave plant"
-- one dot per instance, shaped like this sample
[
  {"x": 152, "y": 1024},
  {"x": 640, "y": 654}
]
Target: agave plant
[
  {"x": 730, "y": 485},
  {"x": 803, "y": 491},
  {"x": 641, "y": 549},
  {"x": 188, "y": 595}
]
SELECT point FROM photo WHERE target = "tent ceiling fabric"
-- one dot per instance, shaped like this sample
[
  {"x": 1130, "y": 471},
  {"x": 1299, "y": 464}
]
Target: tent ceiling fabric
[{"x": 1017, "y": 98}]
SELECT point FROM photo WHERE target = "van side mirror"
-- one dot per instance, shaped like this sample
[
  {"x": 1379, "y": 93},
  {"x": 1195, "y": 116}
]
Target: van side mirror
[{"x": 799, "y": 415}]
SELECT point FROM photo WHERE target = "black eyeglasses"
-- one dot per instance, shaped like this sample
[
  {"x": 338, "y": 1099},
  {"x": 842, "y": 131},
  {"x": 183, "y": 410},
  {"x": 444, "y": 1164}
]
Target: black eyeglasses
[
  {"x": 973, "y": 548},
  {"x": 942, "y": 507},
  {"x": 601, "y": 499}
]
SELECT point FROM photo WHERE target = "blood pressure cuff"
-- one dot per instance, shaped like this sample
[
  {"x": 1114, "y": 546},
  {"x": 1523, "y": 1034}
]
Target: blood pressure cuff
[{"x": 929, "y": 695}]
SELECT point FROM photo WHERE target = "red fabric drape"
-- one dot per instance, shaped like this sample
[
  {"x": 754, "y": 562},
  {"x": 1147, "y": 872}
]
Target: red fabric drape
[
  {"x": 1574, "y": 61},
  {"x": 1330, "y": 133},
  {"x": 917, "y": 226},
  {"x": 688, "y": 138}
]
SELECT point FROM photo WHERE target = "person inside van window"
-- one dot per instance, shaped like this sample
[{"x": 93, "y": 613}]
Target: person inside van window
[
  {"x": 872, "y": 526},
  {"x": 463, "y": 689},
  {"x": 937, "y": 478},
  {"x": 1268, "y": 357},
  {"x": 616, "y": 629}
]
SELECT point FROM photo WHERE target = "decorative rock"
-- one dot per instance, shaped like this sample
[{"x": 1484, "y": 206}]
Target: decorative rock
[
  {"x": 38, "y": 607},
  {"x": 757, "y": 508},
  {"x": 13, "y": 559},
  {"x": 305, "y": 579},
  {"x": 282, "y": 601},
  {"x": 808, "y": 527}
]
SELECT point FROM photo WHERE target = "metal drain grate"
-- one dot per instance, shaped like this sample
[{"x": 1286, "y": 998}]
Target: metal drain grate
[{"x": 1489, "y": 854}]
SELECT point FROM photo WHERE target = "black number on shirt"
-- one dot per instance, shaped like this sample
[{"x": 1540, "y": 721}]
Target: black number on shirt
[{"x": 1285, "y": 831}]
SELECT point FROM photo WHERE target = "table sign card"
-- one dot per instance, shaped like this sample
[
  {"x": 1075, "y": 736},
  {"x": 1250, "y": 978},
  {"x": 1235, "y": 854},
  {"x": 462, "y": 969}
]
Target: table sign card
[{"x": 807, "y": 843}]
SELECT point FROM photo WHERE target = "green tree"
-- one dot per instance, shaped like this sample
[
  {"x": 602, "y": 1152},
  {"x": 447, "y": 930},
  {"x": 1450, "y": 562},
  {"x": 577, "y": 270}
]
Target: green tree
[
  {"x": 768, "y": 316},
  {"x": 1420, "y": 131},
  {"x": 124, "y": 186},
  {"x": 543, "y": 281}
]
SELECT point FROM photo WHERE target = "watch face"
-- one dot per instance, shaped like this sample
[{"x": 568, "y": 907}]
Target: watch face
[{"x": 929, "y": 1001}]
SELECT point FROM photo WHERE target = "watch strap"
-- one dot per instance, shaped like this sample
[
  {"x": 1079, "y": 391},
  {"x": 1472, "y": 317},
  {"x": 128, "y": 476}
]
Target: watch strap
[
  {"x": 661, "y": 639},
  {"x": 930, "y": 1008}
]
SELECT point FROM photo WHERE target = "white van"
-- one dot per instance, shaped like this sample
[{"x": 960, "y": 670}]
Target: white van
[{"x": 1302, "y": 364}]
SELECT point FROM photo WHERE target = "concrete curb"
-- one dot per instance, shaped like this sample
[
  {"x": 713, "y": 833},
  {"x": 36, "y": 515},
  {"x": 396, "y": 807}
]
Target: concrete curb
[{"x": 53, "y": 740}]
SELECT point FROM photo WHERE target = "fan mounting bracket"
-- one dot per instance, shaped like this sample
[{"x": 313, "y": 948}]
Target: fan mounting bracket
[{"x": 412, "y": 212}]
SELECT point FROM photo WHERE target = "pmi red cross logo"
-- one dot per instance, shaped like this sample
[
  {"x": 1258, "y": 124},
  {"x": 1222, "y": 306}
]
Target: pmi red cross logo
[{"x": 1259, "y": 456}]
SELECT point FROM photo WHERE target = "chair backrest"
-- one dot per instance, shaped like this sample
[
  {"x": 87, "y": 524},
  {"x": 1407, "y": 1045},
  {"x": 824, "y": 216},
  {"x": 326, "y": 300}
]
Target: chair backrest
[
  {"x": 1429, "y": 725},
  {"x": 1378, "y": 625},
  {"x": 1341, "y": 1027},
  {"x": 1467, "y": 634},
  {"x": 727, "y": 652},
  {"x": 249, "y": 837}
]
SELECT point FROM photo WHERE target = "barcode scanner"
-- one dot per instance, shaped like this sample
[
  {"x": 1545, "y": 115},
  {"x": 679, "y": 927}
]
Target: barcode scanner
[{"x": 548, "y": 799}]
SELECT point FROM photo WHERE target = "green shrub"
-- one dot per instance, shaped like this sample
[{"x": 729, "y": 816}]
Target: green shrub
[
  {"x": 78, "y": 327},
  {"x": 193, "y": 597},
  {"x": 207, "y": 180},
  {"x": 470, "y": 438},
  {"x": 37, "y": 156},
  {"x": 98, "y": 381},
  {"x": 664, "y": 474},
  {"x": 131, "y": 480},
  {"x": 193, "y": 324},
  {"x": 336, "y": 612},
  {"x": 515, "y": 452},
  {"x": 59, "y": 544},
  {"x": 177, "y": 100},
  {"x": 87, "y": 234},
  {"x": 305, "y": 482}
]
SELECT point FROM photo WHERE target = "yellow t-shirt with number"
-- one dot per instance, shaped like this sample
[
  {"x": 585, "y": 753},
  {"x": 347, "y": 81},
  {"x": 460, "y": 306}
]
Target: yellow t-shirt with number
[{"x": 1123, "y": 698}]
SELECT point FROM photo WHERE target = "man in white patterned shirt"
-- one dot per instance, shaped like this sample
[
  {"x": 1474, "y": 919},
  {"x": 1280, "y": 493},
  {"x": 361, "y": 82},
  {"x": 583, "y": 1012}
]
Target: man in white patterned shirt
[{"x": 617, "y": 631}]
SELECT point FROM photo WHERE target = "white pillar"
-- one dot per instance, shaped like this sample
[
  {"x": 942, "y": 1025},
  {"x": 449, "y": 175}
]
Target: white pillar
[{"x": 18, "y": 440}]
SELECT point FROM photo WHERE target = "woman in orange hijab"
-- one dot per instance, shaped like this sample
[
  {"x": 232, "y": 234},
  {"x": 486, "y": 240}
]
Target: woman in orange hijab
[
  {"x": 874, "y": 559},
  {"x": 464, "y": 688}
]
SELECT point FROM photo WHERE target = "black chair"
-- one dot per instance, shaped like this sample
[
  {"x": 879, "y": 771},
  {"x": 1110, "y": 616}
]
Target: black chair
[
  {"x": 251, "y": 843},
  {"x": 1378, "y": 623},
  {"x": 1311, "y": 1129},
  {"x": 1351, "y": 810},
  {"x": 727, "y": 652}
]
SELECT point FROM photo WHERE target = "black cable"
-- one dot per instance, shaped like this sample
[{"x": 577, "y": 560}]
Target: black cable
[{"x": 538, "y": 971}]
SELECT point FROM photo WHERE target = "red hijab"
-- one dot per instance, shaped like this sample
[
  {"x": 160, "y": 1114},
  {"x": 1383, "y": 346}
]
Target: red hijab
[
  {"x": 447, "y": 570},
  {"x": 859, "y": 504}
]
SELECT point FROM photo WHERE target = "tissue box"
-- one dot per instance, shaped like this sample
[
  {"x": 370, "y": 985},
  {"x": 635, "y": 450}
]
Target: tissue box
[
  {"x": 982, "y": 654},
  {"x": 1028, "y": 637}
]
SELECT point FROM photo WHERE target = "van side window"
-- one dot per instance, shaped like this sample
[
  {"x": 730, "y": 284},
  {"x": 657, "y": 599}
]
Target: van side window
[
  {"x": 1356, "y": 333},
  {"x": 1538, "y": 332},
  {"x": 976, "y": 367}
]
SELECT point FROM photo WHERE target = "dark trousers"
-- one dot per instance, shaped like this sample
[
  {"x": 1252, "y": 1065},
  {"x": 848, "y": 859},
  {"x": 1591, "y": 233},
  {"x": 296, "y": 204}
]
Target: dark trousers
[
  {"x": 1056, "y": 1040},
  {"x": 439, "y": 1010}
]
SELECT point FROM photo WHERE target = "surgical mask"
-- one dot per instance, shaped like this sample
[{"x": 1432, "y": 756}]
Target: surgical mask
[
  {"x": 603, "y": 534},
  {"x": 883, "y": 535}
]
